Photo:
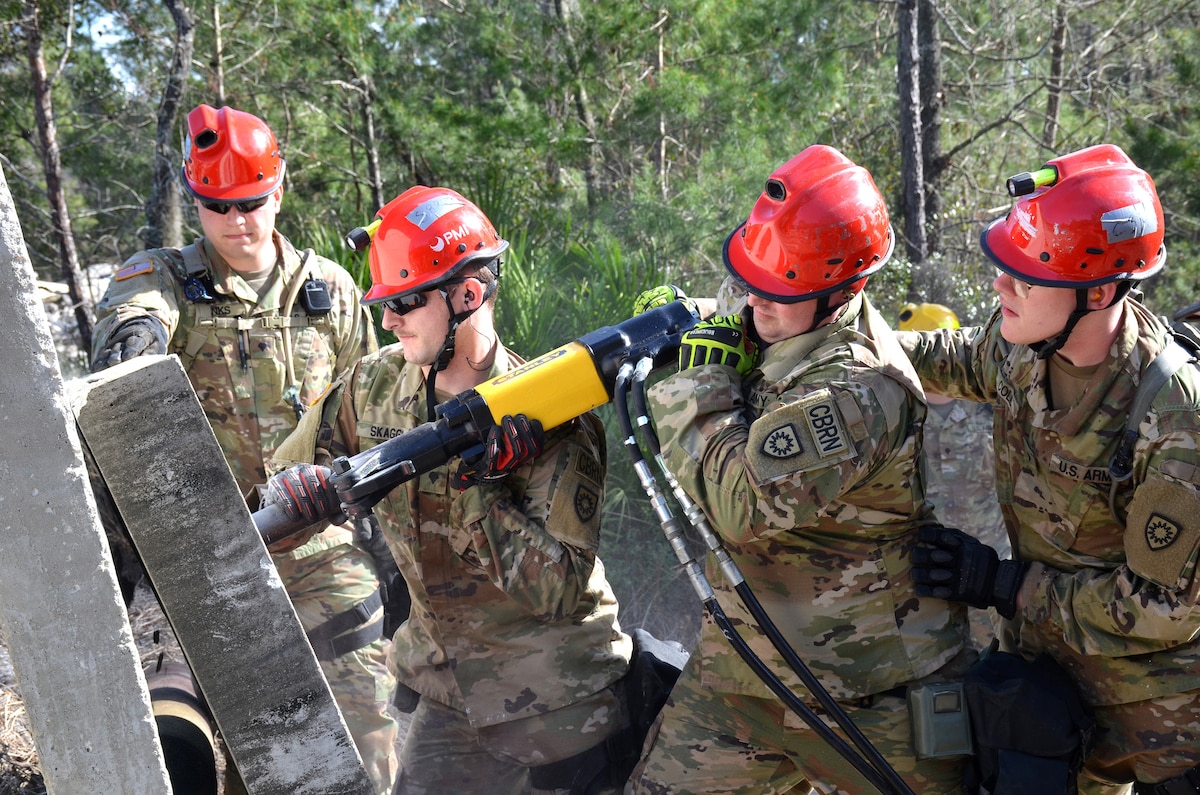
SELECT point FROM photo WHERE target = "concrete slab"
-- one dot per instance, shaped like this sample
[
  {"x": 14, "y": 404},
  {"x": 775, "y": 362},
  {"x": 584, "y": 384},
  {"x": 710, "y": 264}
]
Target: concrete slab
[
  {"x": 69, "y": 639},
  {"x": 153, "y": 445}
]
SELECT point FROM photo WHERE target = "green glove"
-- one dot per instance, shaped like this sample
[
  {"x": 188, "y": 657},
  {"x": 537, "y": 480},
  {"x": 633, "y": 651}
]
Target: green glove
[
  {"x": 719, "y": 340},
  {"x": 661, "y": 296}
]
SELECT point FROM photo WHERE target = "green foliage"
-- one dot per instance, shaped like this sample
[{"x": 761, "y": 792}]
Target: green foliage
[{"x": 614, "y": 147}]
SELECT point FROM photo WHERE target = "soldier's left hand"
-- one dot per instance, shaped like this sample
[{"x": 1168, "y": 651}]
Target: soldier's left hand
[
  {"x": 950, "y": 564},
  {"x": 661, "y": 296},
  {"x": 514, "y": 442}
]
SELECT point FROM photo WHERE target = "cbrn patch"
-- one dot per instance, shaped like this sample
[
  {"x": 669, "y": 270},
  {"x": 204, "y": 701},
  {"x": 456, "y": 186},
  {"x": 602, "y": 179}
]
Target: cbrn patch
[{"x": 801, "y": 436}]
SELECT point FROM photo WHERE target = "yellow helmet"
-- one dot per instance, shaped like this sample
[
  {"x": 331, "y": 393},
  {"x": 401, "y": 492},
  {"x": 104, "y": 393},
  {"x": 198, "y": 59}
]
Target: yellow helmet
[{"x": 926, "y": 317}]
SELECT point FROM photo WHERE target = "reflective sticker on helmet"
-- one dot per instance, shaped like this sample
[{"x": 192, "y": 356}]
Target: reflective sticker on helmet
[
  {"x": 1129, "y": 223},
  {"x": 136, "y": 269},
  {"x": 425, "y": 213}
]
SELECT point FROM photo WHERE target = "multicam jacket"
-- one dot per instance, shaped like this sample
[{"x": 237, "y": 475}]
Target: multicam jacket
[
  {"x": 959, "y": 471},
  {"x": 512, "y": 615},
  {"x": 809, "y": 471},
  {"x": 236, "y": 348},
  {"x": 1111, "y": 597}
]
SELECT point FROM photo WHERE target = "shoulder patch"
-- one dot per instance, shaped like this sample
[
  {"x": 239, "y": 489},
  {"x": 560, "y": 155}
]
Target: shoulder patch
[
  {"x": 1162, "y": 534},
  {"x": 576, "y": 500},
  {"x": 808, "y": 434},
  {"x": 136, "y": 269}
]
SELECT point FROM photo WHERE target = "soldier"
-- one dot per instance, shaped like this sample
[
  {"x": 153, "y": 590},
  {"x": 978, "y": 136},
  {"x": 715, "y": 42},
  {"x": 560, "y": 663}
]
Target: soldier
[
  {"x": 261, "y": 330},
  {"x": 960, "y": 480},
  {"x": 513, "y": 651},
  {"x": 1103, "y": 577},
  {"x": 806, "y": 463}
]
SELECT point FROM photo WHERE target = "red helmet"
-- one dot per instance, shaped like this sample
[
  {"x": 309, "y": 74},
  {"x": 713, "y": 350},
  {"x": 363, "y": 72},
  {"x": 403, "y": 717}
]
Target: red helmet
[
  {"x": 230, "y": 156},
  {"x": 1098, "y": 221},
  {"x": 820, "y": 226},
  {"x": 425, "y": 236}
]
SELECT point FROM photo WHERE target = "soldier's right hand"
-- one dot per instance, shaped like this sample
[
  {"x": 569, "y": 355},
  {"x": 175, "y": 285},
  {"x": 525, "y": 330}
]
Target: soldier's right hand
[
  {"x": 661, "y": 296},
  {"x": 138, "y": 337},
  {"x": 719, "y": 340},
  {"x": 305, "y": 494}
]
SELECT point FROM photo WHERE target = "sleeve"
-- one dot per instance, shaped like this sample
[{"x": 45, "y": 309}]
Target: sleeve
[
  {"x": 536, "y": 532},
  {"x": 354, "y": 329},
  {"x": 958, "y": 363},
  {"x": 757, "y": 478},
  {"x": 1149, "y": 603},
  {"x": 143, "y": 286}
]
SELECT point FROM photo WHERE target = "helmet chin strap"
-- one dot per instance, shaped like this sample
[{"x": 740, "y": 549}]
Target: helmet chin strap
[
  {"x": 446, "y": 355},
  {"x": 1047, "y": 348}
]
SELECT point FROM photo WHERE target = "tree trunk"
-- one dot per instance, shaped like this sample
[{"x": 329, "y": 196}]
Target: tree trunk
[
  {"x": 1054, "y": 84},
  {"x": 52, "y": 163},
  {"x": 164, "y": 219},
  {"x": 567, "y": 10},
  {"x": 912, "y": 177},
  {"x": 932, "y": 97},
  {"x": 374, "y": 172},
  {"x": 218, "y": 58}
]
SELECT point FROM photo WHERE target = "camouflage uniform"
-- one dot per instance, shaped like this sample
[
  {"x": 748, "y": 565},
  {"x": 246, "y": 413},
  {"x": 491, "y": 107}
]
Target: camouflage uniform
[
  {"x": 961, "y": 484},
  {"x": 808, "y": 470},
  {"x": 513, "y": 641},
  {"x": 1113, "y": 600},
  {"x": 252, "y": 408}
]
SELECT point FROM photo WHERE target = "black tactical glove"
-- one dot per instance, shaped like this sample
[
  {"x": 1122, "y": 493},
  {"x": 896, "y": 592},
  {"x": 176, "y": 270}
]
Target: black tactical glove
[
  {"x": 719, "y": 340},
  {"x": 138, "y": 337},
  {"x": 305, "y": 494},
  {"x": 955, "y": 566},
  {"x": 515, "y": 441}
]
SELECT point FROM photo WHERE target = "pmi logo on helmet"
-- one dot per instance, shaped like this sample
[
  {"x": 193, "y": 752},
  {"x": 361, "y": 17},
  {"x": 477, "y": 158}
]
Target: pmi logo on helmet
[
  {"x": 1129, "y": 223},
  {"x": 445, "y": 238}
]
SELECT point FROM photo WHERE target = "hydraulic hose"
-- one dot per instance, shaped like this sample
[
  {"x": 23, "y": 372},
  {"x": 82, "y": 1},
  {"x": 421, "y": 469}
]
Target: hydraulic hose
[
  {"x": 734, "y": 575},
  {"x": 672, "y": 528}
]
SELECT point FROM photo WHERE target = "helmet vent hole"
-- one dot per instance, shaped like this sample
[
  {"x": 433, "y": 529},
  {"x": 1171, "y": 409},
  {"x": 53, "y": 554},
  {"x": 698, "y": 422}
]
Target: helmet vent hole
[
  {"x": 206, "y": 139},
  {"x": 834, "y": 261},
  {"x": 1094, "y": 251},
  {"x": 462, "y": 247},
  {"x": 403, "y": 273},
  {"x": 775, "y": 190},
  {"x": 260, "y": 175},
  {"x": 1083, "y": 266},
  {"x": 791, "y": 274},
  {"x": 1141, "y": 264},
  {"x": 1044, "y": 256},
  {"x": 858, "y": 264},
  {"x": 204, "y": 180},
  {"x": 1120, "y": 263}
]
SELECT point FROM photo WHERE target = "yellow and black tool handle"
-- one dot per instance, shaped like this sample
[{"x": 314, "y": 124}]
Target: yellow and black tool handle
[{"x": 553, "y": 388}]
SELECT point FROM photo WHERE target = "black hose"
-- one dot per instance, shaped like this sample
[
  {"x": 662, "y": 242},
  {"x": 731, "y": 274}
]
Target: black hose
[
  {"x": 760, "y": 615},
  {"x": 674, "y": 535}
]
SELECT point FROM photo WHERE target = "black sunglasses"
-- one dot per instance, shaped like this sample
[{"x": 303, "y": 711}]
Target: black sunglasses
[
  {"x": 245, "y": 208},
  {"x": 407, "y": 303}
]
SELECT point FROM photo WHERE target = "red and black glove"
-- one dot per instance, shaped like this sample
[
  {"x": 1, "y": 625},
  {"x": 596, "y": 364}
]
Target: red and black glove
[
  {"x": 305, "y": 494},
  {"x": 957, "y": 567},
  {"x": 517, "y": 440}
]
